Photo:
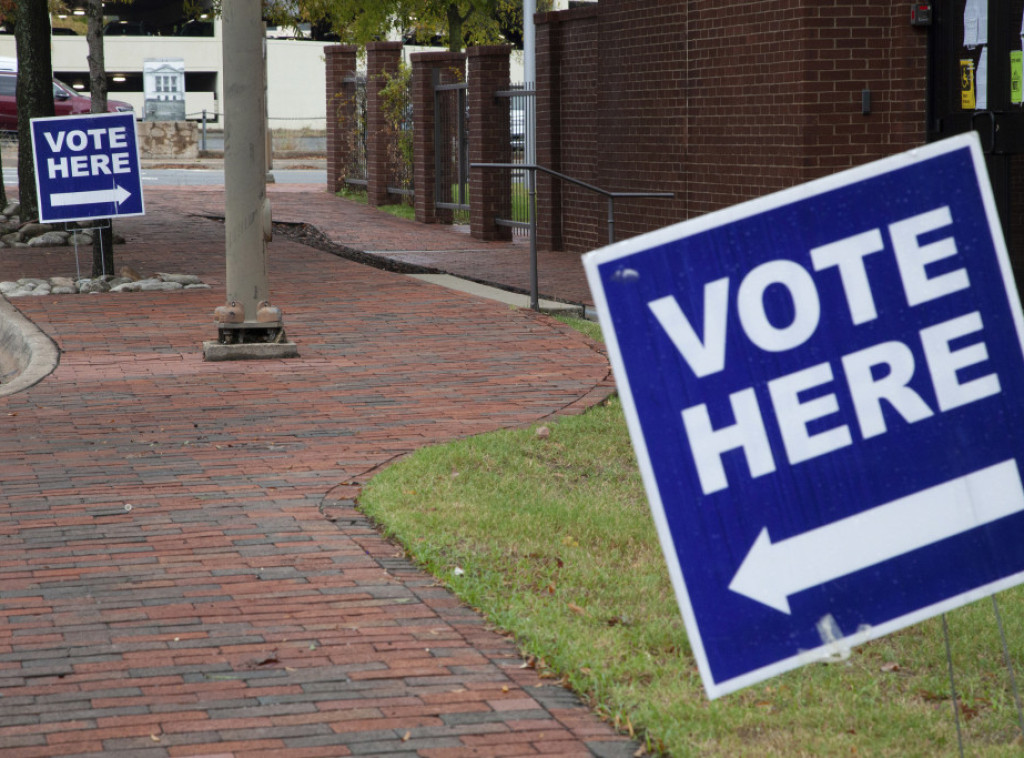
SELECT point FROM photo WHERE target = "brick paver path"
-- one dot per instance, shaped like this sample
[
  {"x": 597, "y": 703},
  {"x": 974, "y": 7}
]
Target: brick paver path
[
  {"x": 560, "y": 275},
  {"x": 182, "y": 570}
]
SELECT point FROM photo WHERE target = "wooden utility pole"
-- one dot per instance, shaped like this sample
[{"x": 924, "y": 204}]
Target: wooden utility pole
[{"x": 247, "y": 326}]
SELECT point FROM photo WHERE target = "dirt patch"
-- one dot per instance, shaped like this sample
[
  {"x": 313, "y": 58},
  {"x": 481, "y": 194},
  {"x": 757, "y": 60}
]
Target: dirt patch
[{"x": 307, "y": 234}]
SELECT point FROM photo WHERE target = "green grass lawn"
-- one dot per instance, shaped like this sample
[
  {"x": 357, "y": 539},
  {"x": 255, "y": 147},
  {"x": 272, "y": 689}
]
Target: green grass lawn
[
  {"x": 520, "y": 203},
  {"x": 551, "y": 538},
  {"x": 357, "y": 194}
]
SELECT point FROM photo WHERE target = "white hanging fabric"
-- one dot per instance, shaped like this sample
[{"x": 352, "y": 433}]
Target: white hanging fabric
[{"x": 976, "y": 23}]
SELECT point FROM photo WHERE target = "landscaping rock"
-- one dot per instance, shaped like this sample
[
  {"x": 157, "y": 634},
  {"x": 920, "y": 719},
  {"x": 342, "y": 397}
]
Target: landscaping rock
[
  {"x": 63, "y": 285},
  {"x": 155, "y": 285},
  {"x": 182, "y": 279},
  {"x": 81, "y": 239},
  {"x": 88, "y": 286},
  {"x": 49, "y": 239},
  {"x": 15, "y": 234},
  {"x": 33, "y": 229}
]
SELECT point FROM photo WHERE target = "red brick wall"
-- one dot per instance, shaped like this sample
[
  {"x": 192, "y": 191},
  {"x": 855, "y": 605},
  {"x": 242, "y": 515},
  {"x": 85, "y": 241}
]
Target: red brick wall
[
  {"x": 717, "y": 101},
  {"x": 341, "y": 112},
  {"x": 450, "y": 67},
  {"x": 643, "y": 125},
  {"x": 382, "y": 61},
  {"x": 568, "y": 129},
  {"x": 488, "y": 72}
]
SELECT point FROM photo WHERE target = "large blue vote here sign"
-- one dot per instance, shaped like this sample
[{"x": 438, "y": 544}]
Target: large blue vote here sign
[
  {"x": 825, "y": 391},
  {"x": 87, "y": 167}
]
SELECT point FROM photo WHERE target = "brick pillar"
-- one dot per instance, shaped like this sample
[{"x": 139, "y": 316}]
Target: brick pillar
[
  {"x": 549, "y": 196},
  {"x": 445, "y": 68},
  {"x": 341, "y": 112},
  {"x": 489, "y": 190},
  {"x": 382, "y": 60}
]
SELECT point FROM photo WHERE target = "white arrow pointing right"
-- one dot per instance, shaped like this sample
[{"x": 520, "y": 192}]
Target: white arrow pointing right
[
  {"x": 116, "y": 195},
  {"x": 772, "y": 572}
]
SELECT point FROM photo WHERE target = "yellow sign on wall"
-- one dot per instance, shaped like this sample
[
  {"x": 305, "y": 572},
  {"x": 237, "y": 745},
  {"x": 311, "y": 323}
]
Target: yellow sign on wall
[
  {"x": 967, "y": 84},
  {"x": 1016, "y": 76}
]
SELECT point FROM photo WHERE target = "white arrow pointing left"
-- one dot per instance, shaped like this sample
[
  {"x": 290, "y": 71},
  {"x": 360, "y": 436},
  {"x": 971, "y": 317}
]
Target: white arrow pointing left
[
  {"x": 116, "y": 195},
  {"x": 772, "y": 572}
]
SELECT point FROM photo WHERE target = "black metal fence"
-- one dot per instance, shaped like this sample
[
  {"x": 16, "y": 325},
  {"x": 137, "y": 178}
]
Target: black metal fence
[
  {"x": 399, "y": 154},
  {"x": 451, "y": 149},
  {"x": 521, "y": 102},
  {"x": 355, "y": 171}
]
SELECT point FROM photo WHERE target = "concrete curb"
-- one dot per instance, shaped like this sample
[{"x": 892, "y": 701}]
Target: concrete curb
[
  {"x": 27, "y": 354},
  {"x": 514, "y": 299}
]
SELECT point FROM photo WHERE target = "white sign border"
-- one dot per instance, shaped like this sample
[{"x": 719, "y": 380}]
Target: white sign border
[
  {"x": 136, "y": 165},
  {"x": 593, "y": 260}
]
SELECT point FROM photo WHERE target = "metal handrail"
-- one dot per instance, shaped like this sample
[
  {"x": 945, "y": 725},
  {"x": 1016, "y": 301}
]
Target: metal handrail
[{"x": 532, "y": 169}]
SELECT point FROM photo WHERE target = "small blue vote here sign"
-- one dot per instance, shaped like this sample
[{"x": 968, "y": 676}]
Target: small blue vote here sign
[
  {"x": 87, "y": 167},
  {"x": 825, "y": 391}
]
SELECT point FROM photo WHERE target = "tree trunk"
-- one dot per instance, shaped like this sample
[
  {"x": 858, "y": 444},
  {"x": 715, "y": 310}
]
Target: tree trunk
[
  {"x": 97, "y": 65},
  {"x": 103, "y": 232},
  {"x": 35, "y": 92},
  {"x": 3, "y": 189},
  {"x": 455, "y": 20}
]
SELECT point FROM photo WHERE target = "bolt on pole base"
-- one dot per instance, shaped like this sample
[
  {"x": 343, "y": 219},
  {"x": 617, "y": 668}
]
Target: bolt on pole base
[
  {"x": 238, "y": 339},
  {"x": 251, "y": 334}
]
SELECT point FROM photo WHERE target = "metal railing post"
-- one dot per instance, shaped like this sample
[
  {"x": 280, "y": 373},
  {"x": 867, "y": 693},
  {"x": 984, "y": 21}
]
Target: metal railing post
[
  {"x": 531, "y": 174},
  {"x": 440, "y": 122},
  {"x": 532, "y": 193},
  {"x": 463, "y": 145}
]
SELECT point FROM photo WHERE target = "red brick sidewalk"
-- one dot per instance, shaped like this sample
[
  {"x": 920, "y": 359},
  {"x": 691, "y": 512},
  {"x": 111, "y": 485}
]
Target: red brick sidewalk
[
  {"x": 183, "y": 572},
  {"x": 432, "y": 246}
]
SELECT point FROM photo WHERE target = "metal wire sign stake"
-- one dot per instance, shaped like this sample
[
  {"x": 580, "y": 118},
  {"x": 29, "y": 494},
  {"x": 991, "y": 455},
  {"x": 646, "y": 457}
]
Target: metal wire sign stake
[{"x": 98, "y": 228}]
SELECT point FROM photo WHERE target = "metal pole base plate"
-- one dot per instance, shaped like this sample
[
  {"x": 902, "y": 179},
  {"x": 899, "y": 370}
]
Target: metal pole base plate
[
  {"x": 249, "y": 341},
  {"x": 217, "y": 351},
  {"x": 250, "y": 333}
]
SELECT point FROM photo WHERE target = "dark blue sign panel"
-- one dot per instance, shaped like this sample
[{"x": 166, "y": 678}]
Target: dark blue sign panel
[
  {"x": 87, "y": 167},
  {"x": 825, "y": 390}
]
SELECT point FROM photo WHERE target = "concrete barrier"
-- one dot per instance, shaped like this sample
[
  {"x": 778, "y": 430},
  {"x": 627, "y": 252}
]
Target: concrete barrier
[
  {"x": 168, "y": 139},
  {"x": 27, "y": 354}
]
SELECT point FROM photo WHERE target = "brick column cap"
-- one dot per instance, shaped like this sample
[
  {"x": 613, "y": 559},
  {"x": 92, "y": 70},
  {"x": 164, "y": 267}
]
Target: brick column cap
[
  {"x": 477, "y": 51},
  {"x": 385, "y": 46},
  {"x": 339, "y": 48},
  {"x": 567, "y": 15},
  {"x": 434, "y": 56}
]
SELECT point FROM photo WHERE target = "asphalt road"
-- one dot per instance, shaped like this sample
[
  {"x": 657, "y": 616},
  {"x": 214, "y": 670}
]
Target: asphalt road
[{"x": 184, "y": 177}]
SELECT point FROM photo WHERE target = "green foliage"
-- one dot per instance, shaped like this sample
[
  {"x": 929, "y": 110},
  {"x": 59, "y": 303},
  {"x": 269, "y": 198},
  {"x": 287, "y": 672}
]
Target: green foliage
[
  {"x": 548, "y": 533},
  {"x": 396, "y": 105},
  {"x": 358, "y": 195},
  {"x": 454, "y": 21},
  {"x": 349, "y": 112},
  {"x": 395, "y": 98}
]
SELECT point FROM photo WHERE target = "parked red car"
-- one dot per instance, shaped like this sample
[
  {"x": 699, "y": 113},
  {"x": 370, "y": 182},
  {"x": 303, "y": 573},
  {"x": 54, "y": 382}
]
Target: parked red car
[{"x": 65, "y": 101}]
